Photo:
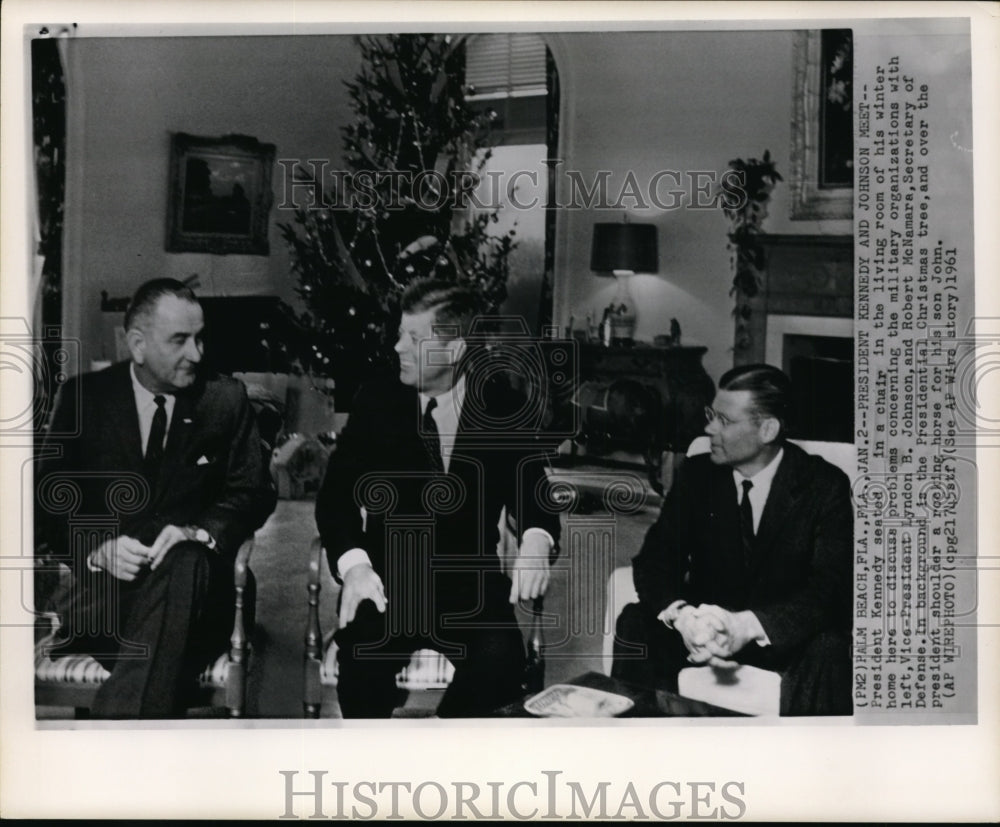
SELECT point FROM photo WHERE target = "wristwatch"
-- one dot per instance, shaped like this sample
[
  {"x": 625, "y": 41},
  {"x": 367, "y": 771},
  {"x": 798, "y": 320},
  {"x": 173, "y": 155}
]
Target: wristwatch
[{"x": 202, "y": 536}]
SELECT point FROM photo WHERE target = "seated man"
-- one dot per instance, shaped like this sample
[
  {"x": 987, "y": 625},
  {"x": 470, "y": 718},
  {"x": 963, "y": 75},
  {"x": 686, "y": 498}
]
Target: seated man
[
  {"x": 750, "y": 559},
  {"x": 426, "y": 456},
  {"x": 169, "y": 463}
]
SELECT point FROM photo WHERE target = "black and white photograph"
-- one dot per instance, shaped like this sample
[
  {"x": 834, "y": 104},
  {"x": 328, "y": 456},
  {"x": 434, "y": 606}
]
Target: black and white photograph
[{"x": 461, "y": 417}]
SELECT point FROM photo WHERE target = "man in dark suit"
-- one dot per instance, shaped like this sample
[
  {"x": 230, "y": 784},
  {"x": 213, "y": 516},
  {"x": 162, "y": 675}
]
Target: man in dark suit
[
  {"x": 750, "y": 559},
  {"x": 175, "y": 458},
  {"x": 428, "y": 459}
]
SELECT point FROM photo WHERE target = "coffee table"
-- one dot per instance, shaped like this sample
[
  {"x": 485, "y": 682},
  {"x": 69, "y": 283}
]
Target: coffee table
[{"x": 649, "y": 703}]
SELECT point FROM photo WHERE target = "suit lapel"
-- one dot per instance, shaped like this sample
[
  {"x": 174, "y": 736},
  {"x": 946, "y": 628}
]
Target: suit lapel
[
  {"x": 459, "y": 446},
  {"x": 411, "y": 406},
  {"x": 725, "y": 515},
  {"x": 123, "y": 421},
  {"x": 781, "y": 499}
]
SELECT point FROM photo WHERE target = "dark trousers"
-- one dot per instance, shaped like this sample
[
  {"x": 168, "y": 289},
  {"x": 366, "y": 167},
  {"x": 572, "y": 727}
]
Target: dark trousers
[
  {"x": 155, "y": 633},
  {"x": 815, "y": 677},
  {"x": 489, "y": 665}
]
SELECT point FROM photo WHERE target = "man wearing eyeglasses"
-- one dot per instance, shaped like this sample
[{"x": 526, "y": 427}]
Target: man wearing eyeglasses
[{"x": 750, "y": 559}]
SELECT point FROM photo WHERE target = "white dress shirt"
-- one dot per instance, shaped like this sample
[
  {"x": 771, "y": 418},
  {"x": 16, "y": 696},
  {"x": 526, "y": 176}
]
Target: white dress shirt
[
  {"x": 445, "y": 415},
  {"x": 145, "y": 405},
  {"x": 761, "y": 486}
]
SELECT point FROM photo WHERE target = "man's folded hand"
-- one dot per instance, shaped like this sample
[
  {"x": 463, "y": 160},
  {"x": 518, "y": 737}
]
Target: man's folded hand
[
  {"x": 169, "y": 536},
  {"x": 702, "y": 634},
  {"x": 360, "y": 583},
  {"x": 530, "y": 577},
  {"x": 123, "y": 557},
  {"x": 733, "y": 631}
]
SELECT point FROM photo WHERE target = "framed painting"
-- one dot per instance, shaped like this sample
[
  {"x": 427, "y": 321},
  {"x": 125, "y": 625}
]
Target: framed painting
[
  {"x": 220, "y": 194},
  {"x": 822, "y": 151}
]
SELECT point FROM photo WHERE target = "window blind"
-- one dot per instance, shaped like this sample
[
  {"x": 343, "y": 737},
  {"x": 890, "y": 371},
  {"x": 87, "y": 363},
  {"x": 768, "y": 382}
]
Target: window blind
[{"x": 505, "y": 66}]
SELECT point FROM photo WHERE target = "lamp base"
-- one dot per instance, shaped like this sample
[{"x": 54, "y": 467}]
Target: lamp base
[
  {"x": 622, "y": 315},
  {"x": 622, "y": 331}
]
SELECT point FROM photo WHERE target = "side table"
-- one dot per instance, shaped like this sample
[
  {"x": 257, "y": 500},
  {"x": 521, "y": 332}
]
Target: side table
[{"x": 667, "y": 386}]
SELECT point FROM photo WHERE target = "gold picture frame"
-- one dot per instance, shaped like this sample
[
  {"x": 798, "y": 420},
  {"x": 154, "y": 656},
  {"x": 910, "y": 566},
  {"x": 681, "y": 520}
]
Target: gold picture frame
[{"x": 220, "y": 194}]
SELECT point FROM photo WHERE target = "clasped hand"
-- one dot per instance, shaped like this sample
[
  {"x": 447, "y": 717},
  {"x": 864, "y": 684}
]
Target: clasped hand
[
  {"x": 124, "y": 557},
  {"x": 713, "y": 635}
]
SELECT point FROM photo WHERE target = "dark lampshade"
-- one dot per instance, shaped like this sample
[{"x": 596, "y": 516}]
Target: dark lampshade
[{"x": 625, "y": 247}]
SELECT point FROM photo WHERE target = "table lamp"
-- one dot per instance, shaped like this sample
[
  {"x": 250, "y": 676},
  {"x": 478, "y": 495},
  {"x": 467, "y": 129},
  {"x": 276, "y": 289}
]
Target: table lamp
[{"x": 624, "y": 249}]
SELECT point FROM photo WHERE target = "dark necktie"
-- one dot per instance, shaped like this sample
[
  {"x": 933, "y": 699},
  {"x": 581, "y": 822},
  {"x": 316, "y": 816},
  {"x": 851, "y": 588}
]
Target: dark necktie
[
  {"x": 432, "y": 441},
  {"x": 746, "y": 524},
  {"x": 154, "y": 446}
]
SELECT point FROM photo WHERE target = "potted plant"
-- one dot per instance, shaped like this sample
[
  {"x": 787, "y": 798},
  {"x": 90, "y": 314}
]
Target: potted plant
[{"x": 744, "y": 201}]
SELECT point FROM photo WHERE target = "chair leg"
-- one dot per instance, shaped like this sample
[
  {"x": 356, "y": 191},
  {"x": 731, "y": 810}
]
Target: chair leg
[
  {"x": 236, "y": 688},
  {"x": 534, "y": 670},
  {"x": 236, "y": 672},
  {"x": 313, "y": 689}
]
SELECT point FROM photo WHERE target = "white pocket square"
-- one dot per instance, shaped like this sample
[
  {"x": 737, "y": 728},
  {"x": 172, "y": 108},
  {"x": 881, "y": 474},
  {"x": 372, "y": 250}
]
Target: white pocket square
[{"x": 203, "y": 460}]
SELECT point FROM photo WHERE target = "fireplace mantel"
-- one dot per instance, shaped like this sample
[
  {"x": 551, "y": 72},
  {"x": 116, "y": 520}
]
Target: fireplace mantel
[{"x": 804, "y": 275}]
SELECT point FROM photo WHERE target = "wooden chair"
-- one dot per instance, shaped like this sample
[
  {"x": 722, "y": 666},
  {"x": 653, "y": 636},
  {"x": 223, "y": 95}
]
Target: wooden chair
[
  {"x": 746, "y": 689},
  {"x": 73, "y": 680},
  {"x": 427, "y": 669}
]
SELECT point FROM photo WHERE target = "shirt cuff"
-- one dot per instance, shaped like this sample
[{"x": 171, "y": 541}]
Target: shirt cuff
[
  {"x": 202, "y": 536},
  {"x": 541, "y": 531},
  {"x": 758, "y": 635},
  {"x": 669, "y": 614},
  {"x": 349, "y": 559}
]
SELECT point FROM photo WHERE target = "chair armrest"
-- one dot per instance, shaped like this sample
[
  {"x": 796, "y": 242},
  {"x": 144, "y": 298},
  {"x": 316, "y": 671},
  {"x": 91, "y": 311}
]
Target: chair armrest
[
  {"x": 621, "y": 592},
  {"x": 313, "y": 690},
  {"x": 239, "y": 640},
  {"x": 314, "y": 635},
  {"x": 315, "y": 563},
  {"x": 241, "y": 574},
  {"x": 242, "y": 565}
]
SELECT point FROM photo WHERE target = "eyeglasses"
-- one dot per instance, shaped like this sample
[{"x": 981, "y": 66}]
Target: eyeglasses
[{"x": 712, "y": 415}]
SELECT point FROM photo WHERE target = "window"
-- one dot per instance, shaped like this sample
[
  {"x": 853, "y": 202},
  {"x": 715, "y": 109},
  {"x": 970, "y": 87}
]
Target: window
[
  {"x": 514, "y": 75},
  {"x": 508, "y": 73}
]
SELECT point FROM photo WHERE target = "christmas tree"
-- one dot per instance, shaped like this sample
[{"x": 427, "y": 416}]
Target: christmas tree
[{"x": 399, "y": 210}]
